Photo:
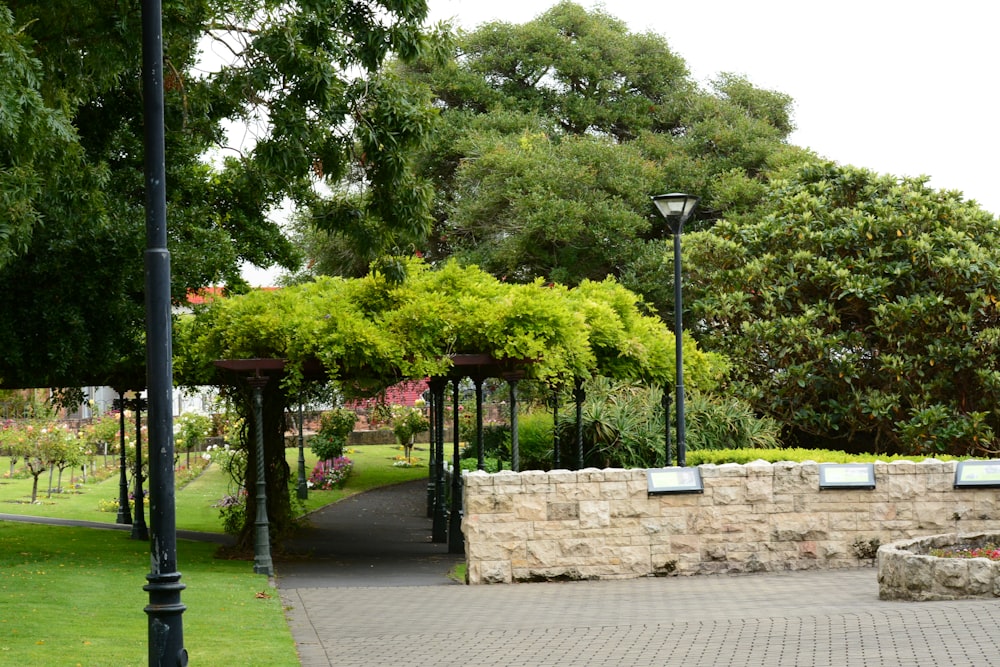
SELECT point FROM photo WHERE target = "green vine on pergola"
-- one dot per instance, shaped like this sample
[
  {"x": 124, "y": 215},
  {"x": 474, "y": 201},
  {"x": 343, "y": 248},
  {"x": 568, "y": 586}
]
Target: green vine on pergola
[{"x": 369, "y": 333}]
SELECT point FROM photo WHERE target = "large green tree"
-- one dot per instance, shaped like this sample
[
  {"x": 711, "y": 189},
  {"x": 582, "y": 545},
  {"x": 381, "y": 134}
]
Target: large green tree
[
  {"x": 553, "y": 135},
  {"x": 859, "y": 308},
  {"x": 299, "y": 77}
]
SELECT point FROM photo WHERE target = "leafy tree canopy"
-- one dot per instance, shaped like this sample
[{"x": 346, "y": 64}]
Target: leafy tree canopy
[
  {"x": 554, "y": 134},
  {"x": 369, "y": 333},
  {"x": 301, "y": 76},
  {"x": 861, "y": 307}
]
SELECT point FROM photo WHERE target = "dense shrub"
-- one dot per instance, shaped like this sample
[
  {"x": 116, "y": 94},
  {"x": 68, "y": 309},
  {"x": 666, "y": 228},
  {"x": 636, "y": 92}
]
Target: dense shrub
[
  {"x": 334, "y": 427},
  {"x": 534, "y": 432}
]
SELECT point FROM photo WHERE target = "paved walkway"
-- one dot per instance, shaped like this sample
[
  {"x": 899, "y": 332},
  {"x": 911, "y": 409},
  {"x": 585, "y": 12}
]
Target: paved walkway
[{"x": 375, "y": 593}]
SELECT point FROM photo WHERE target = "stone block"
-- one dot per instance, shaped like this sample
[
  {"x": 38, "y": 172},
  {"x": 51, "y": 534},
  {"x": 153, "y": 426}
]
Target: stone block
[
  {"x": 490, "y": 572},
  {"x": 530, "y": 507},
  {"x": 562, "y": 511},
  {"x": 488, "y": 504},
  {"x": 594, "y": 513},
  {"x": 612, "y": 490},
  {"x": 729, "y": 494},
  {"x": 581, "y": 491},
  {"x": 760, "y": 488},
  {"x": 563, "y": 477}
]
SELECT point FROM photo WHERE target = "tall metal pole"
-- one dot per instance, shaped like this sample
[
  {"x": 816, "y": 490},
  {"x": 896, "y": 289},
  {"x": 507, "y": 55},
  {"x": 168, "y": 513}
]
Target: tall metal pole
[
  {"x": 677, "y": 207},
  {"x": 165, "y": 610},
  {"x": 679, "y": 347},
  {"x": 262, "y": 539}
]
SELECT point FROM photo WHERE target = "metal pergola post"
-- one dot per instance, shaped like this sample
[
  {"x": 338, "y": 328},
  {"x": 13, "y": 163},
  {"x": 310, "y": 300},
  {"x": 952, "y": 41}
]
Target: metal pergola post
[
  {"x": 139, "y": 529},
  {"x": 456, "y": 541},
  {"x": 124, "y": 511},
  {"x": 302, "y": 490},
  {"x": 262, "y": 540},
  {"x": 439, "y": 528}
]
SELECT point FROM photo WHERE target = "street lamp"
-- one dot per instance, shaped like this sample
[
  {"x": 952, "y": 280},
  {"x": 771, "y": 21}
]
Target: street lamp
[{"x": 677, "y": 208}]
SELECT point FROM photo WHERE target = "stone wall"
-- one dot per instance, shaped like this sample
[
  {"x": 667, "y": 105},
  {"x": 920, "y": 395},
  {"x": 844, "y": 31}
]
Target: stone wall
[{"x": 602, "y": 524}]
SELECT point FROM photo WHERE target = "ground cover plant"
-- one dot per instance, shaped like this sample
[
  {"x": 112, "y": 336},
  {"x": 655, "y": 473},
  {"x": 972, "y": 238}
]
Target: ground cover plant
[{"x": 989, "y": 551}]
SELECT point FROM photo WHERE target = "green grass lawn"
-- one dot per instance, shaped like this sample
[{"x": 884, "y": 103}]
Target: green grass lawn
[
  {"x": 373, "y": 467},
  {"x": 73, "y": 596}
]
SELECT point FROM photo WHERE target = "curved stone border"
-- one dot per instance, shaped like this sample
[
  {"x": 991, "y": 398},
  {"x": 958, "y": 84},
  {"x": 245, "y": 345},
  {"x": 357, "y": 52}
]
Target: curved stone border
[{"x": 906, "y": 571}]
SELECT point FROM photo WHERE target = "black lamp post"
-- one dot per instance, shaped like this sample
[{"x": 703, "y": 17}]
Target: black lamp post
[
  {"x": 677, "y": 209},
  {"x": 165, "y": 609}
]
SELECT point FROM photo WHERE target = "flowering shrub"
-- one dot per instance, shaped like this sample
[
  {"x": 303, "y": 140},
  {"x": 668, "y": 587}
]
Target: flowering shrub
[
  {"x": 335, "y": 426},
  {"x": 233, "y": 511},
  {"x": 109, "y": 505},
  {"x": 990, "y": 551},
  {"x": 331, "y": 474}
]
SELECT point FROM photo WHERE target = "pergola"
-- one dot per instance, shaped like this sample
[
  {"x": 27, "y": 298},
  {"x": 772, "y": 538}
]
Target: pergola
[{"x": 447, "y": 517}]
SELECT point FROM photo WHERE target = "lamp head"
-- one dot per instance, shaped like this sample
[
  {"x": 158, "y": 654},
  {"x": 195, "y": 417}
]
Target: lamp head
[{"x": 676, "y": 207}]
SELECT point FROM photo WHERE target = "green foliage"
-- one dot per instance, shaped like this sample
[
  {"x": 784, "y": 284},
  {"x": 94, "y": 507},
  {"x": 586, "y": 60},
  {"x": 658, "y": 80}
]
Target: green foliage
[
  {"x": 368, "y": 333},
  {"x": 37, "y": 144},
  {"x": 71, "y": 156},
  {"x": 535, "y": 444},
  {"x": 623, "y": 424},
  {"x": 727, "y": 422},
  {"x": 103, "y": 431},
  {"x": 407, "y": 423},
  {"x": 859, "y": 307},
  {"x": 190, "y": 430},
  {"x": 795, "y": 455},
  {"x": 490, "y": 464},
  {"x": 335, "y": 426}
]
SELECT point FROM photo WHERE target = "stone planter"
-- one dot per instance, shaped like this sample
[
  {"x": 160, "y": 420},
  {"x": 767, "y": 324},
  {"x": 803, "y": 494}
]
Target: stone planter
[{"x": 907, "y": 571}]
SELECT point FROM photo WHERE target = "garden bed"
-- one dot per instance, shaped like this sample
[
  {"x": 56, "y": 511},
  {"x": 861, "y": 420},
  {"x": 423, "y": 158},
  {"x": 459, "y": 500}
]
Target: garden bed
[{"x": 912, "y": 570}]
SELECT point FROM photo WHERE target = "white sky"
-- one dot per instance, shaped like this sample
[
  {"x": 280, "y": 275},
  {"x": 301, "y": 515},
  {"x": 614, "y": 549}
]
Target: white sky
[{"x": 905, "y": 87}]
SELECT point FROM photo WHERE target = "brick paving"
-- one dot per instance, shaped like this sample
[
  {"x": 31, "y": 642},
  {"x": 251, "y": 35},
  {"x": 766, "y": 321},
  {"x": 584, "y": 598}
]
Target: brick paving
[{"x": 361, "y": 596}]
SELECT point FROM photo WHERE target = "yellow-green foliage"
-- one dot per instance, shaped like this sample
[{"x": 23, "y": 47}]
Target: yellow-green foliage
[
  {"x": 797, "y": 455},
  {"x": 374, "y": 331}
]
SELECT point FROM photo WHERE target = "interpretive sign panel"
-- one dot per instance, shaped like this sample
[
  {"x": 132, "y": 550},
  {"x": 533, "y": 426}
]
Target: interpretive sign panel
[
  {"x": 673, "y": 480},
  {"x": 977, "y": 473},
  {"x": 847, "y": 475}
]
